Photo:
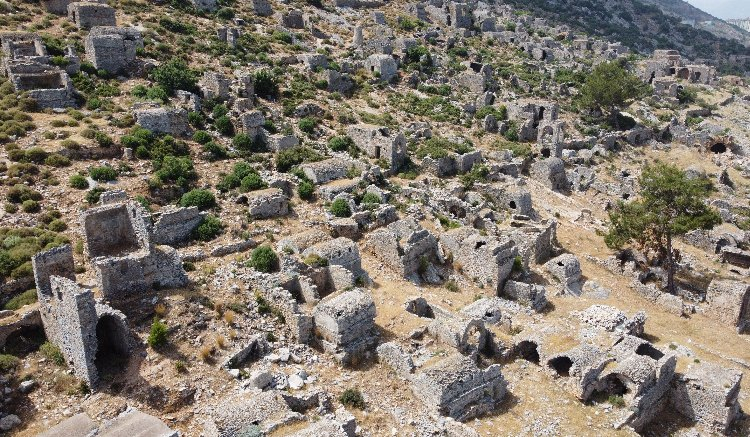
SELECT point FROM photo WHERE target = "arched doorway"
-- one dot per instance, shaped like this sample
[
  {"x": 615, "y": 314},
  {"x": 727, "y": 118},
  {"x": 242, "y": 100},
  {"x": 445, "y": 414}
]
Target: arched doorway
[{"x": 111, "y": 346}]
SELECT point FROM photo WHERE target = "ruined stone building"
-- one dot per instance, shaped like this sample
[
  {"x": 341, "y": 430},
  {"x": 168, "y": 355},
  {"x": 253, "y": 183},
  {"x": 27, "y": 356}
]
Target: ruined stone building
[
  {"x": 378, "y": 142},
  {"x": 345, "y": 325},
  {"x": 669, "y": 63},
  {"x": 118, "y": 245},
  {"x": 86, "y": 15},
  {"x": 92, "y": 336},
  {"x": 113, "y": 48},
  {"x": 26, "y": 64}
]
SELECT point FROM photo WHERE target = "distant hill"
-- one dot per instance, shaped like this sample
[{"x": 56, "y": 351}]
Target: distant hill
[
  {"x": 703, "y": 20},
  {"x": 643, "y": 27}
]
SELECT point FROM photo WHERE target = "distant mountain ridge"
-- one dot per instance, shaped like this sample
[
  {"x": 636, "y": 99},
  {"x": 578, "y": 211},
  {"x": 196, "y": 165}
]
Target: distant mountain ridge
[
  {"x": 703, "y": 20},
  {"x": 645, "y": 27}
]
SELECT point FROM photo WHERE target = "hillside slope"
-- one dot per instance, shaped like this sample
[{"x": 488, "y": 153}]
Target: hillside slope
[
  {"x": 643, "y": 28},
  {"x": 685, "y": 11}
]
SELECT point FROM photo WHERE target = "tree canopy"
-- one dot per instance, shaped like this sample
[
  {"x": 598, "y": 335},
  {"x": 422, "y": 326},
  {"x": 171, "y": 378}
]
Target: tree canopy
[
  {"x": 669, "y": 204},
  {"x": 610, "y": 87}
]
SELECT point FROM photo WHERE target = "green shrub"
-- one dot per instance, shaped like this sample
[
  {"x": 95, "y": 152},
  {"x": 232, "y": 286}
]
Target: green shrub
[
  {"x": 266, "y": 85},
  {"x": 57, "y": 225},
  {"x": 203, "y": 199},
  {"x": 36, "y": 155},
  {"x": 201, "y": 137},
  {"x": 252, "y": 182},
  {"x": 102, "y": 139},
  {"x": 157, "y": 93},
  {"x": 8, "y": 363},
  {"x": 264, "y": 259},
  {"x": 307, "y": 125},
  {"x": 103, "y": 174},
  {"x": 21, "y": 193},
  {"x": 437, "y": 148},
  {"x": 215, "y": 150},
  {"x": 93, "y": 195},
  {"x": 57, "y": 160},
  {"x": 341, "y": 143},
  {"x": 209, "y": 228},
  {"x": 52, "y": 353},
  {"x": 500, "y": 113},
  {"x": 352, "y": 397},
  {"x": 289, "y": 158},
  {"x": 175, "y": 75},
  {"x": 315, "y": 260},
  {"x": 30, "y": 206},
  {"x": 616, "y": 401},
  {"x": 225, "y": 13},
  {"x": 243, "y": 142},
  {"x": 178, "y": 170},
  {"x": 26, "y": 298},
  {"x": 340, "y": 208},
  {"x": 517, "y": 264},
  {"x": 305, "y": 190},
  {"x": 224, "y": 125},
  {"x": 158, "y": 335},
  {"x": 370, "y": 198}
]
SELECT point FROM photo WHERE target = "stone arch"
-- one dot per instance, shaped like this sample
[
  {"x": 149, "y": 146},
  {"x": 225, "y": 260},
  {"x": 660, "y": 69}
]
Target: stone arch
[
  {"x": 719, "y": 147},
  {"x": 561, "y": 365},
  {"x": 112, "y": 345},
  {"x": 528, "y": 350}
]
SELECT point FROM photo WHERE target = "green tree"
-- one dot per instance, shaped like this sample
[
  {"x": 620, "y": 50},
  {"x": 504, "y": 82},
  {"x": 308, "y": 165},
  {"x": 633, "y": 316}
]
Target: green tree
[
  {"x": 175, "y": 75},
  {"x": 610, "y": 87},
  {"x": 669, "y": 205}
]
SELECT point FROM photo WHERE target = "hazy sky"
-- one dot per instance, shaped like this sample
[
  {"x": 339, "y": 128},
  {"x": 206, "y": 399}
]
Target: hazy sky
[{"x": 724, "y": 8}]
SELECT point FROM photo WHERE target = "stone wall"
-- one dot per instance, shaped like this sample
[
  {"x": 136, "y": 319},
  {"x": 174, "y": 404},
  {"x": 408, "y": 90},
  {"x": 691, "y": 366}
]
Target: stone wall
[
  {"x": 175, "y": 225},
  {"x": 86, "y": 15},
  {"x": 345, "y": 324},
  {"x": 113, "y": 48}
]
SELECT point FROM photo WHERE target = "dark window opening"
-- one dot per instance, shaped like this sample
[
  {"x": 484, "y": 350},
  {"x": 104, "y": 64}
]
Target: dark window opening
[
  {"x": 546, "y": 152},
  {"x": 561, "y": 365},
  {"x": 111, "y": 347},
  {"x": 528, "y": 351},
  {"x": 512, "y": 204},
  {"x": 649, "y": 351},
  {"x": 719, "y": 148}
]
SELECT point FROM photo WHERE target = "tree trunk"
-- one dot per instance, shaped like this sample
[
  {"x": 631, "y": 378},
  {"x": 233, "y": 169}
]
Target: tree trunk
[{"x": 670, "y": 265}]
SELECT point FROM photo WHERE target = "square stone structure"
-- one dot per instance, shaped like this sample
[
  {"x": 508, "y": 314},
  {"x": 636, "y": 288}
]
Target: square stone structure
[
  {"x": 117, "y": 241},
  {"x": 729, "y": 302},
  {"x": 86, "y": 15},
  {"x": 345, "y": 325},
  {"x": 113, "y": 48},
  {"x": 458, "y": 388},
  {"x": 378, "y": 142}
]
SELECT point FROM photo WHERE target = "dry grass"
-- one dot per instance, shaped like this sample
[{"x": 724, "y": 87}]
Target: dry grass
[
  {"x": 205, "y": 352},
  {"x": 229, "y": 317},
  {"x": 160, "y": 310},
  {"x": 221, "y": 341}
]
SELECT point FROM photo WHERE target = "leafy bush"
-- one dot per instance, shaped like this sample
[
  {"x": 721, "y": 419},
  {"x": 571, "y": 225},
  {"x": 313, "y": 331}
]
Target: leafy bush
[
  {"x": 175, "y": 75},
  {"x": 21, "y": 193},
  {"x": 103, "y": 174},
  {"x": 209, "y": 228},
  {"x": 289, "y": 158},
  {"x": 307, "y": 125},
  {"x": 201, "y": 137},
  {"x": 370, "y": 198},
  {"x": 252, "y": 182},
  {"x": 158, "y": 335},
  {"x": 30, "y": 206},
  {"x": 264, "y": 259},
  {"x": 8, "y": 363},
  {"x": 215, "y": 150},
  {"x": 234, "y": 179},
  {"x": 340, "y": 208},
  {"x": 500, "y": 113},
  {"x": 178, "y": 170},
  {"x": 203, "y": 199},
  {"x": 341, "y": 143},
  {"x": 57, "y": 160},
  {"x": 52, "y": 353},
  {"x": 26, "y": 298},
  {"x": 225, "y": 13},
  {"x": 437, "y": 147},
  {"x": 352, "y": 397},
  {"x": 93, "y": 195},
  {"x": 266, "y": 85},
  {"x": 224, "y": 125},
  {"x": 19, "y": 244},
  {"x": 315, "y": 260},
  {"x": 305, "y": 190},
  {"x": 244, "y": 143}
]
